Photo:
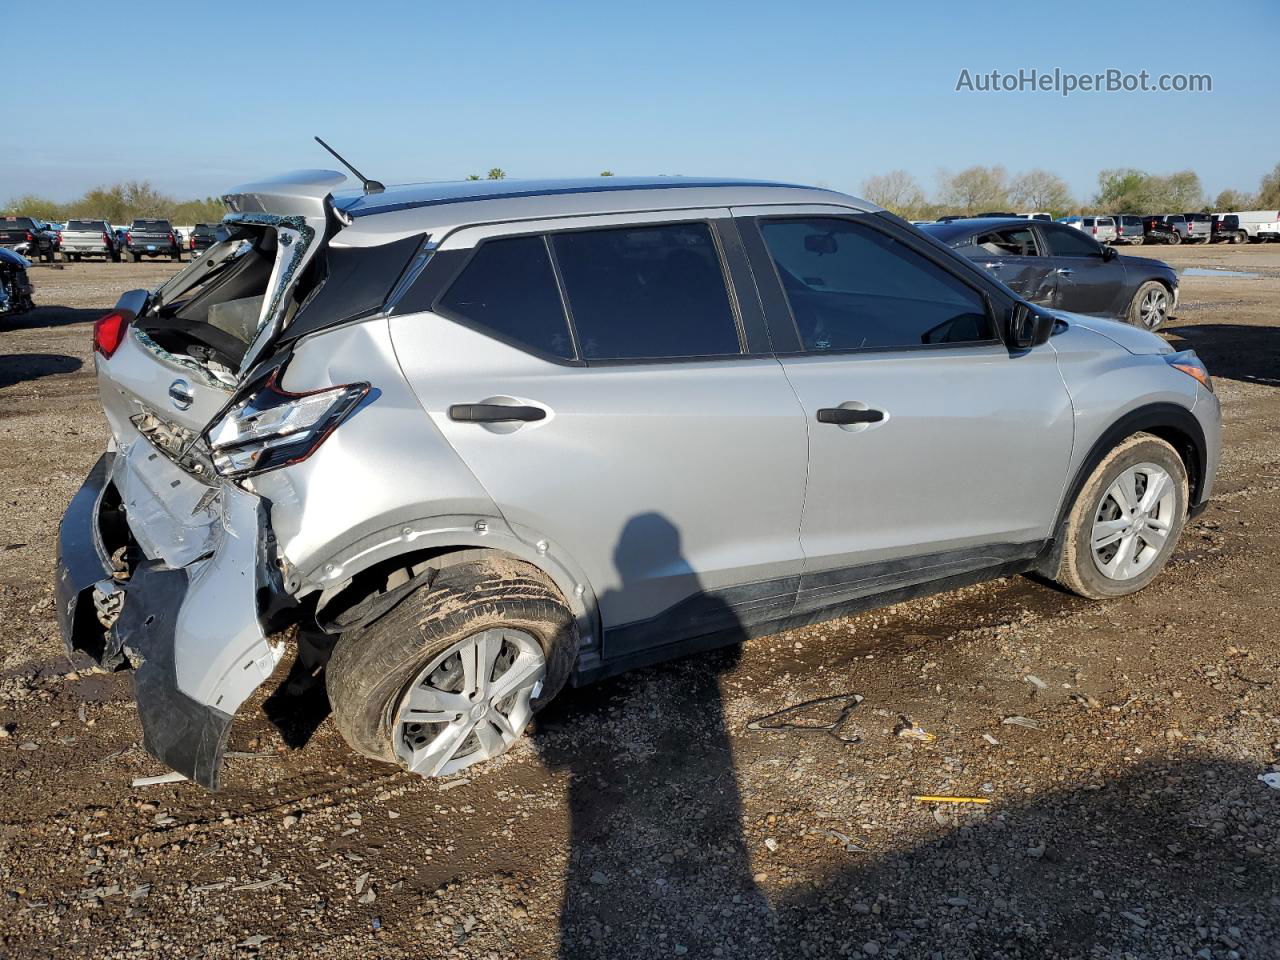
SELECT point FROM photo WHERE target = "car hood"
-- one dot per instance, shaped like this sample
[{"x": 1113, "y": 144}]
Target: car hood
[{"x": 1134, "y": 339}]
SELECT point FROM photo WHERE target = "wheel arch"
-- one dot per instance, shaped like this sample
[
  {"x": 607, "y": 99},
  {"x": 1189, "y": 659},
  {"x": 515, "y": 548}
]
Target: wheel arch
[
  {"x": 1174, "y": 424},
  {"x": 370, "y": 567}
]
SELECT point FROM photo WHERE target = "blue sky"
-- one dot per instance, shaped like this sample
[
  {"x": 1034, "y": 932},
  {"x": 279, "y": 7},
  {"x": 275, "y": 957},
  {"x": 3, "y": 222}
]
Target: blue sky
[{"x": 815, "y": 92}]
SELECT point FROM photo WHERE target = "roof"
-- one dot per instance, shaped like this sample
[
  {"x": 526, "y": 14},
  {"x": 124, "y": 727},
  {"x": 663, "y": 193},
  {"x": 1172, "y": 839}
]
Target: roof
[{"x": 442, "y": 206}]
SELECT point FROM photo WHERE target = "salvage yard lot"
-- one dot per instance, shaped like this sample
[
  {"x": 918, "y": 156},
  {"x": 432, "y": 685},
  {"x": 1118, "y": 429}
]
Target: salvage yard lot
[{"x": 647, "y": 816}]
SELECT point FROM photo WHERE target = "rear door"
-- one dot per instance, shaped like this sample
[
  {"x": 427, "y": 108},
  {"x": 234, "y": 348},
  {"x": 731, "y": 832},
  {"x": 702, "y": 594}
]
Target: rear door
[
  {"x": 1087, "y": 281},
  {"x": 933, "y": 451},
  {"x": 663, "y": 452},
  {"x": 1014, "y": 256}
]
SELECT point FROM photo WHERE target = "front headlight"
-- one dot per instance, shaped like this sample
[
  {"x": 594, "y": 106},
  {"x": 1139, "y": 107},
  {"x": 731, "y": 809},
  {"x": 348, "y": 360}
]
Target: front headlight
[
  {"x": 274, "y": 428},
  {"x": 1189, "y": 363}
]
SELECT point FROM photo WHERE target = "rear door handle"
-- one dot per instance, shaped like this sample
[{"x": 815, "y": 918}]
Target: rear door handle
[
  {"x": 494, "y": 413},
  {"x": 1063, "y": 272},
  {"x": 843, "y": 415},
  {"x": 994, "y": 264}
]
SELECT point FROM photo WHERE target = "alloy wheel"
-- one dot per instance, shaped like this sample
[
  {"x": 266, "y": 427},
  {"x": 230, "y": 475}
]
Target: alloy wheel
[
  {"x": 470, "y": 703},
  {"x": 1132, "y": 523},
  {"x": 1154, "y": 308}
]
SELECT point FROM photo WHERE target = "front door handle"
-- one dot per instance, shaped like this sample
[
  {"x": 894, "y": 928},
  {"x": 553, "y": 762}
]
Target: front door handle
[
  {"x": 494, "y": 413},
  {"x": 1063, "y": 272},
  {"x": 994, "y": 264},
  {"x": 844, "y": 415}
]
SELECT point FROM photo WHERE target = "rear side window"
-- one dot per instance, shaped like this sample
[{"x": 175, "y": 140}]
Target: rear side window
[
  {"x": 509, "y": 289},
  {"x": 86, "y": 225},
  {"x": 1065, "y": 242},
  {"x": 851, "y": 287},
  {"x": 647, "y": 293}
]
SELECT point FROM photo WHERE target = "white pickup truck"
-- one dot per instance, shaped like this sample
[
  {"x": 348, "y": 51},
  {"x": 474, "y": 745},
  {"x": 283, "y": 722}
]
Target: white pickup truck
[
  {"x": 1260, "y": 225},
  {"x": 89, "y": 238}
]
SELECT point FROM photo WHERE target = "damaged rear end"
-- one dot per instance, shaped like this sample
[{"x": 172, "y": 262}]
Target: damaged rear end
[{"x": 166, "y": 559}]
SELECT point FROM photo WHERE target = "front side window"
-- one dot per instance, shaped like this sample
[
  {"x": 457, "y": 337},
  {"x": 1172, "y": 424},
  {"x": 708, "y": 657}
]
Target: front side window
[
  {"x": 1065, "y": 242},
  {"x": 851, "y": 287},
  {"x": 508, "y": 288},
  {"x": 647, "y": 292}
]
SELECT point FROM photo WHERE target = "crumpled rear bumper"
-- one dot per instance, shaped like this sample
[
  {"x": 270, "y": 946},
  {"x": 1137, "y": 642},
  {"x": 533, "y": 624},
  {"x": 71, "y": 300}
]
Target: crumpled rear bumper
[{"x": 192, "y": 632}]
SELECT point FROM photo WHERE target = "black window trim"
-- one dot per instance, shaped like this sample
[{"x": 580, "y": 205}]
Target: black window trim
[
  {"x": 867, "y": 220},
  {"x": 713, "y": 224}
]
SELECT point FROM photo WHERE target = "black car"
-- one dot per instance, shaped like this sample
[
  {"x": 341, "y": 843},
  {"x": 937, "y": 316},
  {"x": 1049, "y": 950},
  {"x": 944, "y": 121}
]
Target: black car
[
  {"x": 1155, "y": 230},
  {"x": 15, "y": 286},
  {"x": 28, "y": 237},
  {"x": 153, "y": 238},
  {"x": 1061, "y": 267}
]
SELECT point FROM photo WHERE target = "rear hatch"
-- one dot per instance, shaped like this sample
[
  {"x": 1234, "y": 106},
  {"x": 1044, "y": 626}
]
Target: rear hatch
[{"x": 190, "y": 342}]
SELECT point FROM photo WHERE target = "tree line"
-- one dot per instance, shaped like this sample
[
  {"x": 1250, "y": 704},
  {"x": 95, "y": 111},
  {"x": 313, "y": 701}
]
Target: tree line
[
  {"x": 120, "y": 204},
  {"x": 972, "y": 190},
  {"x": 1122, "y": 190}
]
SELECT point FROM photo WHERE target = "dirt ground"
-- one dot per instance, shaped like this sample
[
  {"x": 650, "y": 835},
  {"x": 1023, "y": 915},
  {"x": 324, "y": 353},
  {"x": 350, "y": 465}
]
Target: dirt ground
[{"x": 645, "y": 817}]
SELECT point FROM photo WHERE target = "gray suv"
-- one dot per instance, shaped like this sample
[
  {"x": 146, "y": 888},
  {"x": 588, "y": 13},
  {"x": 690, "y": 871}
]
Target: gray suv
[{"x": 471, "y": 442}]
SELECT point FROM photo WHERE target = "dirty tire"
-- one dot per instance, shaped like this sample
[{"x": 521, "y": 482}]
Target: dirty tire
[
  {"x": 1154, "y": 289},
  {"x": 371, "y": 667},
  {"x": 1077, "y": 570}
]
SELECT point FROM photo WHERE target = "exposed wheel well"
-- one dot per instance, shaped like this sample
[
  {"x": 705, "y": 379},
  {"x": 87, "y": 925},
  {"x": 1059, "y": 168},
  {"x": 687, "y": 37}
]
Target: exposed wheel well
[{"x": 373, "y": 591}]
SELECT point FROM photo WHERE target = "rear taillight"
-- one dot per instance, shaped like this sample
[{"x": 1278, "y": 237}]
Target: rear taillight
[
  {"x": 172, "y": 241},
  {"x": 1095, "y": 231},
  {"x": 106, "y": 241},
  {"x": 109, "y": 330},
  {"x": 30, "y": 238},
  {"x": 128, "y": 237},
  {"x": 193, "y": 241},
  {"x": 273, "y": 427}
]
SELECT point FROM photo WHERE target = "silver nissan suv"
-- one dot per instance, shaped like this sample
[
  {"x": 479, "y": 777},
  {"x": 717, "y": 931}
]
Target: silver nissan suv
[{"x": 470, "y": 442}]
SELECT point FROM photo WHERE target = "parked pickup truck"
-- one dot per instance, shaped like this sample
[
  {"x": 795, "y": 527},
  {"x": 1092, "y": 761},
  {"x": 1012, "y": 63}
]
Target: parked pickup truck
[
  {"x": 28, "y": 237},
  {"x": 1259, "y": 225},
  {"x": 1190, "y": 227},
  {"x": 153, "y": 238},
  {"x": 204, "y": 236},
  {"x": 89, "y": 238}
]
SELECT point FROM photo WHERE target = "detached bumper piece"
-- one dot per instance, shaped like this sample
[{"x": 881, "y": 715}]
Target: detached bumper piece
[{"x": 159, "y": 619}]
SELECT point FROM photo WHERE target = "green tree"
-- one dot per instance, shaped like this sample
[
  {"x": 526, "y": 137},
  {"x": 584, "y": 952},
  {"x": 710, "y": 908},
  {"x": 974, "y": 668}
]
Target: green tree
[
  {"x": 1229, "y": 200},
  {"x": 606, "y": 173},
  {"x": 497, "y": 173},
  {"x": 1269, "y": 189},
  {"x": 1122, "y": 191},
  {"x": 473, "y": 176}
]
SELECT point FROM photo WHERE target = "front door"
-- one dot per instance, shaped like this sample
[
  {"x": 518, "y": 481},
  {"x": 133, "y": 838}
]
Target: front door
[
  {"x": 1090, "y": 280},
  {"x": 933, "y": 450}
]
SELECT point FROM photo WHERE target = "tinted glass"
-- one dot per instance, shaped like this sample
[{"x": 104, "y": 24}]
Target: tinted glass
[
  {"x": 1088, "y": 221},
  {"x": 1011, "y": 242},
  {"x": 508, "y": 288},
  {"x": 151, "y": 225},
  {"x": 851, "y": 287},
  {"x": 1067, "y": 242},
  {"x": 86, "y": 225},
  {"x": 642, "y": 293},
  {"x": 16, "y": 223}
]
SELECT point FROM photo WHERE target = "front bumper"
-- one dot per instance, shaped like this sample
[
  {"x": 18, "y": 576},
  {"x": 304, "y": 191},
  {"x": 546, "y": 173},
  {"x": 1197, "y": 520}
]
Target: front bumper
[{"x": 185, "y": 614}]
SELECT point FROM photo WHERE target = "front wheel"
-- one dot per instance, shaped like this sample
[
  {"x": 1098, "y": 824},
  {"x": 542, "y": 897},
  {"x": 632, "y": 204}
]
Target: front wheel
[
  {"x": 1150, "y": 305},
  {"x": 1176, "y": 239},
  {"x": 453, "y": 674},
  {"x": 1125, "y": 521}
]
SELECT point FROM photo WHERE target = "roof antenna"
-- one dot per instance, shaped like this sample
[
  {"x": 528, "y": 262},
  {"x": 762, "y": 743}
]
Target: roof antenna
[{"x": 370, "y": 186}]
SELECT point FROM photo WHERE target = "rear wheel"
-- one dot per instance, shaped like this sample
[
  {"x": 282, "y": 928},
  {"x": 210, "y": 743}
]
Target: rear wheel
[
  {"x": 1239, "y": 237},
  {"x": 454, "y": 673},
  {"x": 1175, "y": 238},
  {"x": 1126, "y": 520}
]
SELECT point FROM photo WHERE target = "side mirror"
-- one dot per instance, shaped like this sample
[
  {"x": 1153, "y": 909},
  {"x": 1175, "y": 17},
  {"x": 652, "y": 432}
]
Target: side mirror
[
  {"x": 1028, "y": 327},
  {"x": 1109, "y": 253}
]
